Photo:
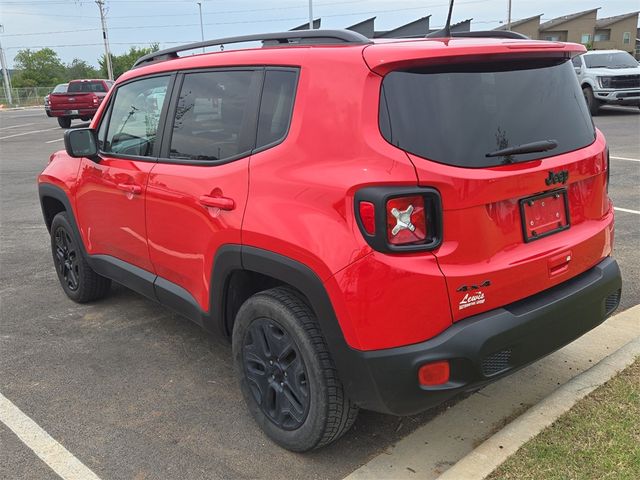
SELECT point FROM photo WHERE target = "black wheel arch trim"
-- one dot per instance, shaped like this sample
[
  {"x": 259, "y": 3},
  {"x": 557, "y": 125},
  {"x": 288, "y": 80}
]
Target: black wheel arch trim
[
  {"x": 352, "y": 369},
  {"x": 229, "y": 258}
]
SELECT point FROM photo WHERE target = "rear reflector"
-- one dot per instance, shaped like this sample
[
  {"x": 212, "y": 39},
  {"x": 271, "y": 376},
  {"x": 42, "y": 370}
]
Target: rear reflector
[
  {"x": 368, "y": 217},
  {"x": 436, "y": 373}
]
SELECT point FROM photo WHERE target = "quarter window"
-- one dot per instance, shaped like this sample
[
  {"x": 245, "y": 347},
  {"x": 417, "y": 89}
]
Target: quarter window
[
  {"x": 135, "y": 114},
  {"x": 215, "y": 116},
  {"x": 276, "y": 106}
]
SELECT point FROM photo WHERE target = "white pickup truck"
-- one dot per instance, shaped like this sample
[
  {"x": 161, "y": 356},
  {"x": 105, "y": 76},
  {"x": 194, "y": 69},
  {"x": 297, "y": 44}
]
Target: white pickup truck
[{"x": 608, "y": 77}]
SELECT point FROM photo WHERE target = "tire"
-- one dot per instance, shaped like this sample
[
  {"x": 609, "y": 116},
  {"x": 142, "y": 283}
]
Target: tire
[
  {"x": 64, "y": 122},
  {"x": 592, "y": 102},
  {"x": 78, "y": 280},
  {"x": 298, "y": 399}
]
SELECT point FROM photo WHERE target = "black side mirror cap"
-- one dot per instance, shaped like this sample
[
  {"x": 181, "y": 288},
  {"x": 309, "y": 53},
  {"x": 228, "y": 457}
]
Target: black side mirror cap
[{"x": 81, "y": 142}]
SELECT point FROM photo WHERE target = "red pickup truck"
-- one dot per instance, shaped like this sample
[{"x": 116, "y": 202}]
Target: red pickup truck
[{"x": 82, "y": 99}]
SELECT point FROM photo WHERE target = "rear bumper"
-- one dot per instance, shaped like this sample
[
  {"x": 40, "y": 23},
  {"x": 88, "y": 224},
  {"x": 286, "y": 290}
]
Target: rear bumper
[
  {"x": 84, "y": 112},
  {"x": 485, "y": 347}
]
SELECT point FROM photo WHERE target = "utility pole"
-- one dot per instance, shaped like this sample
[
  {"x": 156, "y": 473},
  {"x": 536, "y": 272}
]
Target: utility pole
[
  {"x": 105, "y": 37},
  {"x": 201, "y": 26},
  {"x": 310, "y": 14},
  {"x": 5, "y": 73},
  {"x": 509, "y": 17}
]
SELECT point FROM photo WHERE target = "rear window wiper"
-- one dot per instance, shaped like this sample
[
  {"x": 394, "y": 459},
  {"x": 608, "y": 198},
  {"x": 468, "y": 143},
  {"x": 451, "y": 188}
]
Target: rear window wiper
[{"x": 533, "y": 147}]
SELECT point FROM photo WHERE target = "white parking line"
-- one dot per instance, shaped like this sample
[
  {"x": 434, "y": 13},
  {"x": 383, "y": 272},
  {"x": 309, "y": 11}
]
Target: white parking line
[
  {"x": 28, "y": 133},
  {"x": 627, "y": 159},
  {"x": 626, "y": 210},
  {"x": 16, "y": 126},
  {"x": 44, "y": 445},
  {"x": 56, "y": 140}
]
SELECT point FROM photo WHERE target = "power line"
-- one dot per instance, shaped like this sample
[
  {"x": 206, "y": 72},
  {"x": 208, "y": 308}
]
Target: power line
[
  {"x": 238, "y": 22},
  {"x": 97, "y": 44}
]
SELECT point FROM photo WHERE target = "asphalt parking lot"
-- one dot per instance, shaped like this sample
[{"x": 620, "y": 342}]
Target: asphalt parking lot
[{"x": 134, "y": 391}]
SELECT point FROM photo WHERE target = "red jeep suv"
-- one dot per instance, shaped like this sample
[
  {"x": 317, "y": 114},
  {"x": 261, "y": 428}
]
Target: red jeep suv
[{"x": 373, "y": 224}]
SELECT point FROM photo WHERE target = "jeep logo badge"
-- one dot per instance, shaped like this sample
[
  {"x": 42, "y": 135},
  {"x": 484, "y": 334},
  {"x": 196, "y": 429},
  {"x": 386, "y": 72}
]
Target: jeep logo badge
[{"x": 561, "y": 177}]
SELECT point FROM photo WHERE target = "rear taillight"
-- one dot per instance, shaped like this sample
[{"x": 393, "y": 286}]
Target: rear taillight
[
  {"x": 368, "y": 217},
  {"x": 96, "y": 100},
  {"x": 406, "y": 220},
  {"x": 394, "y": 219}
]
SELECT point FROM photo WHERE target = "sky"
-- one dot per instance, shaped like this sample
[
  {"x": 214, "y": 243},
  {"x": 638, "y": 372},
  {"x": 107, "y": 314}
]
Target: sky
[{"x": 72, "y": 27}]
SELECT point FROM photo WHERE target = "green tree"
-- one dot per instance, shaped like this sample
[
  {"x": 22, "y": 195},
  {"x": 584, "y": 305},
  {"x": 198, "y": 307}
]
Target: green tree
[
  {"x": 124, "y": 62},
  {"x": 38, "y": 68},
  {"x": 80, "y": 69}
]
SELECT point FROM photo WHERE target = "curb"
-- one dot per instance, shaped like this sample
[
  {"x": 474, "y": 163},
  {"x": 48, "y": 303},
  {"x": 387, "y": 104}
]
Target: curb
[
  {"x": 493, "y": 452},
  {"x": 4, "y": 108}
]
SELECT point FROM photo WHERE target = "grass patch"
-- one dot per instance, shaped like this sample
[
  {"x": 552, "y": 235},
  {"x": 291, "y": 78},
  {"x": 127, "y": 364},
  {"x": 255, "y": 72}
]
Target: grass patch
[{"x": 599, "y": 438}]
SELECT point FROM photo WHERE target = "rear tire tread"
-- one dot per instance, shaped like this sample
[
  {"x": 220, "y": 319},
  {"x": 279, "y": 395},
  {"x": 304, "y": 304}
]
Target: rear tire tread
[{"x": 341, "y": 413}]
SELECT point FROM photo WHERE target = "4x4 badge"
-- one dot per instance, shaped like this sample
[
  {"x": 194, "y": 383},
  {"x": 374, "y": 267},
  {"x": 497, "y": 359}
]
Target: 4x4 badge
[
  {"x": 464, "y": 288},
  {"x": 561, "y": 177}
]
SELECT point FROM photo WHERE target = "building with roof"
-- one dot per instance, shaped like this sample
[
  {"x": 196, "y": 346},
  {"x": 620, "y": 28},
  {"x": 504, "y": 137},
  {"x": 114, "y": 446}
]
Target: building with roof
[
  {"x": 578, "y": 27},
  {"x": 619, "y": 33},
  {"x": 527, "y": 26},
  {"x": 417, "y": 28}
]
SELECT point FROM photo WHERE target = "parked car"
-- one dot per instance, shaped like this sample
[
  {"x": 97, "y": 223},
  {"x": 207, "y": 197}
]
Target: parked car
[
  {"x": 608, "y": 77},
  {"x": 81, "y": 100},
  {"x": 60, "y": 88},
  {"x": 373, "y": 224}
]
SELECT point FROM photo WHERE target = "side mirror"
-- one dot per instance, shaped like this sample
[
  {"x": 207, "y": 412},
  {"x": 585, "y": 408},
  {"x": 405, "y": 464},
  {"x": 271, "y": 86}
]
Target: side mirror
[
  {"x": 81, "y": 142},
  {"x": 578, "y": 70}
]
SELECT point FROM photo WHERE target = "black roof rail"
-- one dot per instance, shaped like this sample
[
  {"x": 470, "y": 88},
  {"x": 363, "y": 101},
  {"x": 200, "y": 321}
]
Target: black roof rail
[
  {"x": 307, "y": 37},
  {"x": 492, "y": 34}
]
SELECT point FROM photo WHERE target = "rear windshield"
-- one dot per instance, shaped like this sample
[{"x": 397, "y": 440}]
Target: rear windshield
[
  {"x": 610, "y": 60},
  {"x": 87, "y": 87},
  {"x": 458, "y": 114}
]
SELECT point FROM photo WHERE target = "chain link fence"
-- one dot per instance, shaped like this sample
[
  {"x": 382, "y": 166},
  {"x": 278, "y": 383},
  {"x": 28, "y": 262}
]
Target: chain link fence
[{"x": 24, "y": 97}]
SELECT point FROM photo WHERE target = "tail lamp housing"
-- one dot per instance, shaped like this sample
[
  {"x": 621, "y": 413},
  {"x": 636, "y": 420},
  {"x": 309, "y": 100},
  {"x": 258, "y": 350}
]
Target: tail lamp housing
[
  {"x": 399, "y": 219},
  {"x": 608, "y": 169}
]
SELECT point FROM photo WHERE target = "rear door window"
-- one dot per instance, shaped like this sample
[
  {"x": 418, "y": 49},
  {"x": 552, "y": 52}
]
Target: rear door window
[
  {"x": 276, "y": 106},
  {"x": 458, "y": 114},
  {"x": 215, "y": 117}
]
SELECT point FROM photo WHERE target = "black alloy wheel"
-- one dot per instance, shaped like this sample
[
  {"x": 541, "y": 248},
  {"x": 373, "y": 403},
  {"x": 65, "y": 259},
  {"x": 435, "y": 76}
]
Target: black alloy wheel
[
  {"x": 276, "y": 373},
  {"x": 66, "y": 256},
  {"x": 78, "y": 280}
]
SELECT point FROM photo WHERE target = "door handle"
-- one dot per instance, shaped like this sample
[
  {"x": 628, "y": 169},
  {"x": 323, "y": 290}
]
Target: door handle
[
  {"x": 223, "y": 203},
  {"x": 130, "y": 188}
]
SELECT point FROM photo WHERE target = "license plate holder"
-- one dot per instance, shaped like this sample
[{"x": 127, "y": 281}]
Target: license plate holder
[
  {"x": 544, "y": 214},
  {"x": 73, "y": 112}
]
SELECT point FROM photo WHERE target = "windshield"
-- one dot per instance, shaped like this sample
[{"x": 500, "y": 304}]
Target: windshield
[
  {"x": 458, "y": 114},
  {"x": 610, "y": 60},
  {"x": 62, "y": 88}
]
